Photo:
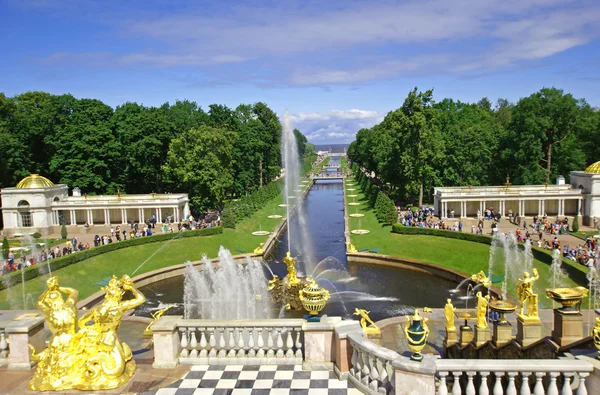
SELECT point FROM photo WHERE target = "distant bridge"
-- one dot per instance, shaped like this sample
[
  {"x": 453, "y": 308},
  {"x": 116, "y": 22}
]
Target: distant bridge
[
  {"x": 328, "y": 176},
  {"x": 336, "y": 154}
]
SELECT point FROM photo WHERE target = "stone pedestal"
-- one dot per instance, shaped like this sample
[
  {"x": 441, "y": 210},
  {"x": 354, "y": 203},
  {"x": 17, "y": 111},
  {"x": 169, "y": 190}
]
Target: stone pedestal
[
  {"x": 529, "y": 330},
  {"x": 166, "y": 342},
  {"x": 502, "y": 334},
  {"x": 319, "y": 349},
  {"x": 466, "y": 335},
  {"x": 568, "y": 328},
  {"x": 482, "y": 335},
  {"x": 451, "y": 338},
  {"x": 22, "y": 334}
]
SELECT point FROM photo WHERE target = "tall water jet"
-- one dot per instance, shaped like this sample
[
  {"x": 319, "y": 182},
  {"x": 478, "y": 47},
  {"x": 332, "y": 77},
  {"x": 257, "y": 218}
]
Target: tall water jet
[
  {"x": 300, "y": 240},
  {"x": 558, "y": 274},
  {"x": 230, "y": 291}
]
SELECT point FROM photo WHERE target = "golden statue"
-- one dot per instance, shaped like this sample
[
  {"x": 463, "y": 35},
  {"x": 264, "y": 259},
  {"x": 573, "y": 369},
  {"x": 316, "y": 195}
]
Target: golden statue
[
  {"x": 93, "y": 358},
  {"x": 290, "y": 262},
  {"x": 525, "y": 295},
  {"x": 259, "y": 250},
  {"x": 481, "y": 278},
  {"x": 595, "y": 334},
  {"x": 155, "y": 316},
  {"x": 482, "y": 304},
  {"x": 350, "y": 248},
  {"x": 368, "y": 326},
  {"x": 449, "y": 310}
]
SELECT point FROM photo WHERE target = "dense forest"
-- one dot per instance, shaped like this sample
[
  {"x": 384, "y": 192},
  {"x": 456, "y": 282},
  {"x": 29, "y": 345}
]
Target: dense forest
[
  {"x": 213, "y": 155},
  {"x": 424, "y": 144}
]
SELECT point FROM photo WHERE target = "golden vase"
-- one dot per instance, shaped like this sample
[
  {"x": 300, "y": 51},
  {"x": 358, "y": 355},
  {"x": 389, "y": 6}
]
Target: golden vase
[{"x": 313, "y": 299}]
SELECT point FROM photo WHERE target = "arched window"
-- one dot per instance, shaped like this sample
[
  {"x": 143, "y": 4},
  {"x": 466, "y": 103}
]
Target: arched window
[
  {"x": 25, "y": 218},
  {"x": 56, "y": 199}
]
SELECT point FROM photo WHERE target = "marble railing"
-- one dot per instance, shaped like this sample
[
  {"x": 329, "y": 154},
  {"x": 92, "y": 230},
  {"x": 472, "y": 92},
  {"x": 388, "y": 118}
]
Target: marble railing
[
  {"x": 371, "y": 369},
  {"x": 4, "y": 350},
  {"x": 512, "y": 377},
  {"x": 244, "y": 342}
]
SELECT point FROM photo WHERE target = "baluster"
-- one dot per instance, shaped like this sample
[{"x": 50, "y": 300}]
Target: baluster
[
  {"x": 552, "y": 388},
  {"x": 193, "y": 343},
  {"x": 183, "y": 343},
  {"x": 443, "y": 389},
  {"x": 539, "y": 386},
  {"x": 383, "y": 374},
  {"x": 279, "y": 344},
  {"x": 511, "y": 388},
  {"x": 374, "y": 374},
  {"x": 354, "y": 361},
  {"x": 3, "y": 345},
  {"x": 251, "y": 344},
  {"x": 260, "y": 343},
  {"x": 270, "y": 352},
  {"x": 566, "y": 390},
  {"x": 365, "y": 368},
  {"x": 498, "y": 390},
  {"x": 203, "y": 343},
  {"x": 222, "y": 351},
  {"x": 582, "y": 390},
  {"x": 298, "y": 344},
  {"x": 212, "y": 341},
  {"x": 483, "y": 387},
  {"x": 289, "y": 344},
  {"x": 470, "y": 390},
  {"x": 390, "y": 372},
  {"x": 241, "y": 343},
  {"x": 456, "y": 390},
  {"x": 231, "y": 342},
  {"x": 525, "y": 383}
]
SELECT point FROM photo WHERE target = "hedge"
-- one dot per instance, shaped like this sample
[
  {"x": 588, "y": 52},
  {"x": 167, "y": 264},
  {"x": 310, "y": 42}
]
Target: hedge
[
  {"x": 574, "y": 270},
  {"x": 41, "y": 268}
]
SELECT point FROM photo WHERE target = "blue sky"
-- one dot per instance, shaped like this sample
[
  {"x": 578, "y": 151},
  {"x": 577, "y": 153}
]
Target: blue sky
[{"x": 336, "y": 66}]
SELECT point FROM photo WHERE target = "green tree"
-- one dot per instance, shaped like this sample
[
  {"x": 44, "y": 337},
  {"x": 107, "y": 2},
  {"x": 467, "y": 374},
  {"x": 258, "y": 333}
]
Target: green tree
[
  {"x": 576, "y": 224},
  {"x": 63, "y": 232},
  {"x": 200, "y": 162},
  {"x": 301, "y": 142}
]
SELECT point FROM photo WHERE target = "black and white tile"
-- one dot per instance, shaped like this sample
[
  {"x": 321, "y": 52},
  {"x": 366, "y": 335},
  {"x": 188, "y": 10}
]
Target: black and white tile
[{"x": 256, "y": 380}]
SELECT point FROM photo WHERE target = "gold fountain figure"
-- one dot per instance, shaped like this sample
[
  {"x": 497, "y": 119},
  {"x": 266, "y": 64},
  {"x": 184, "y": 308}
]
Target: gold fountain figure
[
  {"x": 368, "y": 326},
  {"x": 595, "y": 334},
  {"x": 93, "y": 358},
  {"x": 449, "y": 310},
  {"x": 291, "y": 268},
  {"x": 525, "y": 294},
  {"x": 155, "y": 317},
  {"x": 259, "y": 250},
  {"x": 350, "y": 248},
  {"x": 481, "y": 278},
  {"x": 482, "y": 305}
]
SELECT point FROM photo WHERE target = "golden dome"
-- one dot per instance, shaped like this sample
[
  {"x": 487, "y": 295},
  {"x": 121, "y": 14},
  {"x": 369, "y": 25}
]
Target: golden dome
[
  {"x": 34, "y": 181},
  {"x": 594, "y": 168}
]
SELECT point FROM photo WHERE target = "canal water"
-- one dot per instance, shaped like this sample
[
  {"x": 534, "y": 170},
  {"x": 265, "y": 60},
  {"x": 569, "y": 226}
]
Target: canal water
[{"x": 385, "y": 291}]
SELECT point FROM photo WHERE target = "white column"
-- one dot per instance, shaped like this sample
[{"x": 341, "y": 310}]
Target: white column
[
  {"x": 141, "y": 215},
  {"x": 186, "y": 208},
  {"x": 160, "y": 215},
  {"x": 124, "y": 216},
  {"x": 578, "y": 207},
  {"x": 543, "y": 206},
  {"x": 560, "y": 207},
  {"x": 156, "y": 213},
  {"x": 503, "y": 207},
  {"x": 176, "y": 211},
  {"x": 520, "y": 208},
  {"x": 90, "y": 216},
  {"x": 106, "y": 217},
  {"x": 462, "y": 207},
  {"x": 443, "y": 213}
]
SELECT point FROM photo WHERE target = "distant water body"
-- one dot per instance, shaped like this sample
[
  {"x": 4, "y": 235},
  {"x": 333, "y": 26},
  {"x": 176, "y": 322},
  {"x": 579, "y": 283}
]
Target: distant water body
[{"x": 335, "y": 148}]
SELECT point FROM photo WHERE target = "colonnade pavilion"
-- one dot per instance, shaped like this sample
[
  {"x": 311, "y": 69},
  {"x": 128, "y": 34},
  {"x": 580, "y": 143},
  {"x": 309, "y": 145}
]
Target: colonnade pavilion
[
  {"x": 36, "y": 204},
  {"x": 579, "y": 198}
]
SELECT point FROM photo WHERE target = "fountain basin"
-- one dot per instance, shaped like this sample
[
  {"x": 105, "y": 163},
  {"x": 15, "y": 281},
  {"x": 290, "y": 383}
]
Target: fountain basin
[
  {"x": 569, "y": 298},
  {"x": 360, "y": 231},
  {"x": 350, "y": 189},
  {"x": 261, "y": 233},
  {"x": 275, "y": 216},
  {"x": 353, "y": 204},
  {"x": 352, "y": 196},
  {"x": 283, "y": 205},
  {"x": 356, "y": 215}
]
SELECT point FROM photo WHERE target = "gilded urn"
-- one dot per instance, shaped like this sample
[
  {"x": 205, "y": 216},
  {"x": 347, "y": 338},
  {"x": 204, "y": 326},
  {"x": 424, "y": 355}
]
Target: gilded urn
[
  {"x": 503, "y": 307},
  {"x": 417, "y": 332},
  {"x": 569, "y": 298},
  {"x": 313, "y": 299}
]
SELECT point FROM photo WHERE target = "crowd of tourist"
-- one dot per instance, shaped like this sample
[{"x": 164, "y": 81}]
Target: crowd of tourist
[{"x": 116, "y": 234}]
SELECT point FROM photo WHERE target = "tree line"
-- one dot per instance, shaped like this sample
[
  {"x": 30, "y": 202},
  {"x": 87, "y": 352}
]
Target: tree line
[
  {"x": 424, "y": 144},
  {"x": 213, "y": 155}
]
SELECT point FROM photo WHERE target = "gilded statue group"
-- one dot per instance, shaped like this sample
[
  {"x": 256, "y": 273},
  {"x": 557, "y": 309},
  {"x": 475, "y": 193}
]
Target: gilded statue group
[
  {"x": 85, "y": 353},
  {"x": 527, "y": 298}
]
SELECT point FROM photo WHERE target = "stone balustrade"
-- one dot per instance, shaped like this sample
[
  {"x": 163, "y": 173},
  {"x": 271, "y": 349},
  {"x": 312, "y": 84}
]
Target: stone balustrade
[
  {"x": 228, "y": 342},
  {"x": 371, "y": 368},
  {"x": 512, "y": 377}
]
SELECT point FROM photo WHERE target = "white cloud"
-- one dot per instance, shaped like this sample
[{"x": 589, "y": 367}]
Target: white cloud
[{"x": 335, "y": 126}]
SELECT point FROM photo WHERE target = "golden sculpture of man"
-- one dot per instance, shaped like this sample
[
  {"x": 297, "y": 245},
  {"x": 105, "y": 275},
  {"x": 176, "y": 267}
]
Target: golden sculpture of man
[
  {"x": 482, "y": 305},
  {"x": 449, "y": 310},
  {"x": 526, "y": 295},
  {"x": 290, "y": 262},
  {"x": 364, "y": 318}
]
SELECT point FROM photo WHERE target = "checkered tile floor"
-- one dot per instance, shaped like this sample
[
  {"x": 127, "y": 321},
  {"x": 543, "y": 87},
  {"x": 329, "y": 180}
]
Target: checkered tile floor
[{"x": 256, "y": 380}]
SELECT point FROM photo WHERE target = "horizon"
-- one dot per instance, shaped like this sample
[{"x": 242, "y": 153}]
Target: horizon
[{"x": 337, "y": 67}]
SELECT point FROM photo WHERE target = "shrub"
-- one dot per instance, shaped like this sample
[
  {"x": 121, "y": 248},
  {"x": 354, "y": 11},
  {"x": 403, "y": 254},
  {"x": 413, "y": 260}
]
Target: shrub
[
  {"x": 576, "y": 224},
  {"x": 14, "y": 278},
  {"x": 37, "y": 235},
  {"x": 5, "y": 248},
  {"x": 228, "y": 218},
  {"x": 63, "y": 232}
]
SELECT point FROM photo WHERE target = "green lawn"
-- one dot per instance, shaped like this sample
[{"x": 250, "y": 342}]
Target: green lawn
[
  {"x": 465, "y": 256},
  {"x": 583, "y": 235}
]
